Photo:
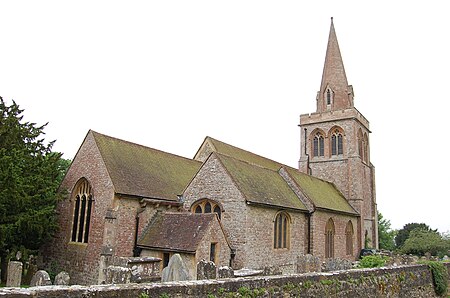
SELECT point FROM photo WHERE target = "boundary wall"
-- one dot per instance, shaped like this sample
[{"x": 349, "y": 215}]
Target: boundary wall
[{"x": 401, "y": 281}]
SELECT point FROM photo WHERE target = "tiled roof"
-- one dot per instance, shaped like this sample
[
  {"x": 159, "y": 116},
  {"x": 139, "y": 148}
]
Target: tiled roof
[
  {"x": 322, "y": 193},
  {"x": 142, "y": 171},
  {"x": 261, "y": 185},
  {"x": 176, "y": 231},
  {"x": 241, "y": 154},
  {"x": 254, "y": 180}
]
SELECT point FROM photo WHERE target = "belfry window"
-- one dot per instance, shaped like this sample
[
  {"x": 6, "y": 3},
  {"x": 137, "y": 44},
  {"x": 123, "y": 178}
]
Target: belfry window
[
  {"x": 82, "y": 211},
  {"x": 318, "y": 145},
  {"x": 337, "y": 140},
  {"x": 207, "y": 206},
  {"x": 281, "y": 231}
]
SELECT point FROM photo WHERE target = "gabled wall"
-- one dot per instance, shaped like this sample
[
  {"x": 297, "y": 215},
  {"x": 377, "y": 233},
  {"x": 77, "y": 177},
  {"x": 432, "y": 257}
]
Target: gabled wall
[
  {"x": 81, "y": 260},
  {"x": 213, "y": 182}
]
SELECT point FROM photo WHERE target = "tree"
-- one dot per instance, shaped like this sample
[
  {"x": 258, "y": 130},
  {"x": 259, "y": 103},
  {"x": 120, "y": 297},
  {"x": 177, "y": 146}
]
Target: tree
[
  {"x": 385, "y": 234},
  {"x": 30, "y": 174},
  {"x": 403, "y": 233},
  {"x": 421, "y": 241}
]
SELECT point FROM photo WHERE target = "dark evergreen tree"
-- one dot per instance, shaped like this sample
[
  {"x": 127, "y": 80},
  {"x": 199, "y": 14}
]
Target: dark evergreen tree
[
  {"x": 403, "y": 233},
  {"x": 30, "y": 174}
]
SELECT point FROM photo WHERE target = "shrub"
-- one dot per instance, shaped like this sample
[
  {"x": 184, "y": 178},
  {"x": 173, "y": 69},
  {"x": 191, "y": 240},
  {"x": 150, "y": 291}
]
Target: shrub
[{"x": 372, "y": 261}]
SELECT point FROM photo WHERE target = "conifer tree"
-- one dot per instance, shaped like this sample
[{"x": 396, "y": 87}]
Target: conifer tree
[{"x": 30, "y": 174}]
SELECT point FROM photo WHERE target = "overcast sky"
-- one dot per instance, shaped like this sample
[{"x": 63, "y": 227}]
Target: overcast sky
[{"x": 166, "y": 74}]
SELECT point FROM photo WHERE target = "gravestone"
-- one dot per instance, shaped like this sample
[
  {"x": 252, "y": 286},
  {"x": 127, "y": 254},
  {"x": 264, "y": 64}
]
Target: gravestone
[
  {"x": 31, "y": 270},
  {"x": 118, "y": 275},
  {"x": 308, "y": 263},
  {"x": 176, "y": 270},
  {"x": 62, "y": 279},
  {"x": 206, "y": 270},
  {"x": 14, "y": 274},
  {"x": 40, "y": 278},
  {"x": 336, "y": 264},
  {"x": 226, "y": 272}
]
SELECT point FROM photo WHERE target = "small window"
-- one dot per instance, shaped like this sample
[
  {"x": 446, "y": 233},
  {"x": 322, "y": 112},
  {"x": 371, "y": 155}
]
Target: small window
[
  {"x": 281, "y": 231},
  {"x": 328, "y": 97},
  {"x": 212, "y": 252},
  {"x": 207, "y": 206},
  {"x": 166, "y": 258}
]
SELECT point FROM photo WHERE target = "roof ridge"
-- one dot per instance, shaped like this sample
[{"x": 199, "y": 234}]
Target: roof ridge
[
  {"x": 245, "y": 161},
  {"x": 94, "y": 133},
  {"x": 255, "y": 154}
]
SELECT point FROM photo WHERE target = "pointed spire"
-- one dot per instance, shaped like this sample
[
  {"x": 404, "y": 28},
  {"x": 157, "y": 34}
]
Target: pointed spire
[{"x": 334, "y": 93}]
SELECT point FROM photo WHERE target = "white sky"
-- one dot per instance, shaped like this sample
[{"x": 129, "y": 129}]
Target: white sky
[{"x": 166, "y": 74}]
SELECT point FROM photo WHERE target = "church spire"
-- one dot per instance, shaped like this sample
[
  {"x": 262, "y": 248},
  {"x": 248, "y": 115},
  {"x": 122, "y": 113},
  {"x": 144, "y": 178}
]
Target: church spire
[{"x": 334, "y": 93}]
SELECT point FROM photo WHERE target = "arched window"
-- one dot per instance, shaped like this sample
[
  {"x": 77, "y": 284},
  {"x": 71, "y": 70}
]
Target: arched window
[
  {"x": 281, "y": 232},
  {"x": 360, "y": 143},
  {"x": 82, "y": 211},
  {"x": 337, "y": 142},
  {"x": 206, "y": 206},
  {"x": 329, "y": 239},
  {"x": 366, "y": 148},
  {"x": 349, "y": 238},
  {"x": 318, "y": 145}
]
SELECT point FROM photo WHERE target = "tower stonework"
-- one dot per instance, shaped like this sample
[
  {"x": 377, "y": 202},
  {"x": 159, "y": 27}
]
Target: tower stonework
[{"x": 335, "y": 144}]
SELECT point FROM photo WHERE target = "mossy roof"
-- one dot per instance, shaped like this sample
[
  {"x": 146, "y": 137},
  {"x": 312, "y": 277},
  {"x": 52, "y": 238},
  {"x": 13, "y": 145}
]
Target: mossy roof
[
  {"x": 322, "y": 193},
  {"x": 261, "y": 185},
  {"x": 176, "y": 231},
  {"x": 241, "y": 154},
  {"x": 145, "y": 172}
]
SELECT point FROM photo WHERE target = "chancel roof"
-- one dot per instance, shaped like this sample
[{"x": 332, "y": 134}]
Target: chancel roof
[
  {"x": 141, "y": 171},
  {"x": 261, "y": 185},
  {"x": 258, "y": 178},
  {"x": 323, "y": 194},
  {"x": 180, "y": 232}
]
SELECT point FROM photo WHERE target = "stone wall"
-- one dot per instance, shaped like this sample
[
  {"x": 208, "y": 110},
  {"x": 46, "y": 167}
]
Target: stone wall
[
  {"x": 402, "y": 281},
  {"x": 214, "y": 183},
  {"x": 81, "y": 260}
]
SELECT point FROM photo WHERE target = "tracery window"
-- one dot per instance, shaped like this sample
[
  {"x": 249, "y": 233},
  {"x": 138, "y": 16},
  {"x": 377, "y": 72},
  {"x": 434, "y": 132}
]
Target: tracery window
[
  {"x": 349, "y": 238},
  {"x": 337, "y": 140},
  {"x": 329, "y": 239},
  {"x": 207, "y": 206},
  {"x": 82, "y": 211},
  {"x": 281, "y": 232},
  {"x": 318, "y": 145}
]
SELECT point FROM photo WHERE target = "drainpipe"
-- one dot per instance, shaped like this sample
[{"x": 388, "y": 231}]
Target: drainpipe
[
  {"x": 308, "y": 169},
  {"x": 136, "y": 249}
]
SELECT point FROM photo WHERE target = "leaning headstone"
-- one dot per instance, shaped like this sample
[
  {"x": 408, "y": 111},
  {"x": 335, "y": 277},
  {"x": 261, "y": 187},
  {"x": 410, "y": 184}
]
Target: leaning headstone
[
  {"x": 62, "y": 279},
  {"x": 30, "y": 271},
  {"x": 206, "y": 270},
  {"x": 14, "y": 274},
  {"x": 176, "y": 270},
  {"x": 40, "y": 278},
  {"x": 226, "y": 272}
]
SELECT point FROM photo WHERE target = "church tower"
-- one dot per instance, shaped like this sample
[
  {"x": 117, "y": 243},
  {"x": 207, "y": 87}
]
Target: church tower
[{"x": 335, "y": 143}]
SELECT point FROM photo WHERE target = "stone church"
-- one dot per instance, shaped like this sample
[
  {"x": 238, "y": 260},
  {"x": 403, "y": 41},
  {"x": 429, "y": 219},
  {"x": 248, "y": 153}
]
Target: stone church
[{"x": 225, "y": 205}]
